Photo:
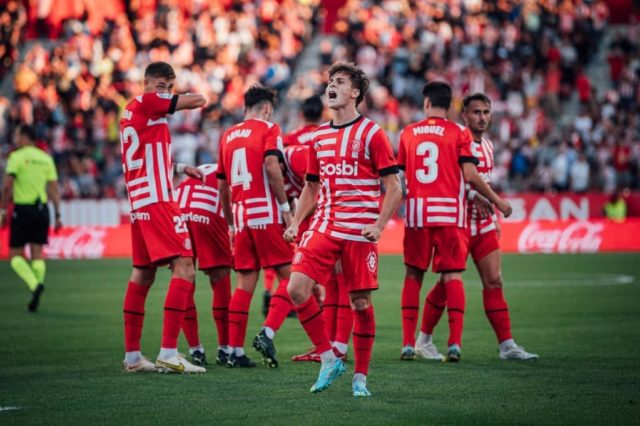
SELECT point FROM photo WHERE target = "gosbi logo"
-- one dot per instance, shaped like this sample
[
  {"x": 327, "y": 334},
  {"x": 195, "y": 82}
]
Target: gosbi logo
[
  {"x": 372, "y": 261},
  {"x": 338, "y": 169}
]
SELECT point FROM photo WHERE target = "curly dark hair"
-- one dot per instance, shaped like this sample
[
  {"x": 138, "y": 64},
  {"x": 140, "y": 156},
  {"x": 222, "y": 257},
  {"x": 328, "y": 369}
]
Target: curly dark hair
[{"x": 358, "y": 78}]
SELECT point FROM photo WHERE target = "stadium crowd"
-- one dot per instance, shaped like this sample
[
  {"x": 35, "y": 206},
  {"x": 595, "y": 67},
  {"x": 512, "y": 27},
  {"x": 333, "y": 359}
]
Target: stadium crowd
[{"x": 529, "y": 57}]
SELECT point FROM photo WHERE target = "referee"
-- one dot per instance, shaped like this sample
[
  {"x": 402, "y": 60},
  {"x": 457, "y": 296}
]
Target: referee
[{"x": 31, "y": 179}]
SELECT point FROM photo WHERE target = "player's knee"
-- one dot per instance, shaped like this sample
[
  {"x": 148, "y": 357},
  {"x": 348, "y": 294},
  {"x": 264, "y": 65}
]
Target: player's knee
[
  {"x": 493, "y": 281},
  {"x": 183, "y": 268},
  {"x": 217, "y": 274},
  {"x": 360, "y": 302},
  {"x": 414, "y": 273}
]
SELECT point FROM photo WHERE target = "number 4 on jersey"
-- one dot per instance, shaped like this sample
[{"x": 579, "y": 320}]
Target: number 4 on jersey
[{"x": 239, "y": 170}]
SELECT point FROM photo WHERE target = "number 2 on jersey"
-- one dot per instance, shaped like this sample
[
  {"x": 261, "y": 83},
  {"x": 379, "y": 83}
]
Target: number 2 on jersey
[
  {"x": 129, "y": 134},
  {"x": 239, "y": 170},
  {"x": 430, "y": 161}
]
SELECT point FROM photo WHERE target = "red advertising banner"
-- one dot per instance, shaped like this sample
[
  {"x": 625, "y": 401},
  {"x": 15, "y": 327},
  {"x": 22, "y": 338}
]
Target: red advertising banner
[{"x": 588, "y": 236}]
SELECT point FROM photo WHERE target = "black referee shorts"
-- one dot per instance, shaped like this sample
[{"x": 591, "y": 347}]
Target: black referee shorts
[{"x": 29, "y": 224}]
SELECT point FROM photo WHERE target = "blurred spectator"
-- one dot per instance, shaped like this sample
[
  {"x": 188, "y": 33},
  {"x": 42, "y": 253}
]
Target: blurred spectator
[
  {"x": 616, "y": 207},
  {"x": 580, "y": 174}
]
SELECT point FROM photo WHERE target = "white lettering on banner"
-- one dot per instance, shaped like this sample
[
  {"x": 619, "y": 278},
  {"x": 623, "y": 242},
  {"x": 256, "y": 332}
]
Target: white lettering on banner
[
  {"x": 579, "y": 237},
  {"x": 82, "y": 243},
  {"x": 544, "y": 209},
  {"x": 339, "y": 169}
]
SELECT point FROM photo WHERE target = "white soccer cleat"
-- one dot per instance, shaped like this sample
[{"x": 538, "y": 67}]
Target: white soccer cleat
[
  {"x": 428, "y": 351},
  {"x": 142, "y": 366},
  {"x": 518, "y": 353},
  {"x": 177, "y": 364}
]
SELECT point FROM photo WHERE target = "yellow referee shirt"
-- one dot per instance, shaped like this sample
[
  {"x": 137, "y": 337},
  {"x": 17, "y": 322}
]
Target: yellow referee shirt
[{"x": 31, "y": 169}]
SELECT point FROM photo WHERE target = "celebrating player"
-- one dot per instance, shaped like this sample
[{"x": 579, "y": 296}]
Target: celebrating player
[
  {"x": 437, "y": 158},
  {"x": 158, "y": 233},
  {"x": 210, "y": 244},
  {"x": 348, "y": 158},
  {"x": 249, "y": 163}
]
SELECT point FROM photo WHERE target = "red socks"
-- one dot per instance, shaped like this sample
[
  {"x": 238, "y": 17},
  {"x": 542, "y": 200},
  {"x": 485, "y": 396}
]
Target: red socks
[
  {"x": 344, "y": 317},
  {"x": 312, "y": 320},
  {"x": 238, "y": 317},
  {"x": 175, "y": 304},
  {"x": 330, "y": 306},
  {"x": 434, "y": 306},
  {"x": 134, "y": 315},
  {"x": 220, "y": 307},
  {"x": 279, "y": 307},
  {"x": 190, "y": 323},
  {"x": 455, "y": 307},
  {"x": 410, "y": 310},
  {"x": 269, "y": 278},
  {"x": 364, "y": 332},
  {"x": 498, "y": 313}
]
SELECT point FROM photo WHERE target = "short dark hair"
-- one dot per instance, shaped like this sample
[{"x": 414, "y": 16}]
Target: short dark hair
[
  {"x": 160, "y": 69},
  {"x": 257, "y": 94},
  {"x": 475, "y": 97},
  {"x": 28, "y": 131},
  {"x": 439, "y": 94},
  {"x": 312, "y": 108},
  {"x": 358, "y": 78}
]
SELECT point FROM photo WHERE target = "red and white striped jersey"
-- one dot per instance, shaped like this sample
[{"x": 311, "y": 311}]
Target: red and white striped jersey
[
  {"x": 295, "y": 159},
  {"x": 431, "y": 152},
  {"x": 243, "y": 148},
  {"x": 348, "y": 161},
  {"x": 197, "y": 200},
  {"x": 483, "y": 151},
  {"x": 301, "y": 136},
  {"x": 145, "y": 144}
]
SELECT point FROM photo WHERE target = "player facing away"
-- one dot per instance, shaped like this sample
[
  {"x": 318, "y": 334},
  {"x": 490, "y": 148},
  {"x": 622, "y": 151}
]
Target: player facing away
[
  {"x": 437, "y": 158},
  {"x": 249, "y": 172},
  {"x": 209, "y": 235},
  {"x": 312, "y": 109},
  {"x": 348, "y": 158},
  {"x": 158, "y": 233},
  {"x": 484, "y": 245},
  {"x": 336, "y": 307}
]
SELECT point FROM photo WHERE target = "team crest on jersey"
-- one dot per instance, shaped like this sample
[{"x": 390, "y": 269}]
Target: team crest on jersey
[
  {"x": 372, "y": 261},
  {"x": 187, "y": 243},
  {"x": 297, "y": 258},
  {"x": 356, "y": 145}
]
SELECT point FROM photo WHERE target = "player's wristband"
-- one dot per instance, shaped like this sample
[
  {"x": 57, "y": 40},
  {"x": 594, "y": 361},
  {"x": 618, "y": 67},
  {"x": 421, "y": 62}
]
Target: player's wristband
[
  {"x": 472, "y": 194},
  {"x": 180, "y": 167},
  {"x": 284, "y": 207}
]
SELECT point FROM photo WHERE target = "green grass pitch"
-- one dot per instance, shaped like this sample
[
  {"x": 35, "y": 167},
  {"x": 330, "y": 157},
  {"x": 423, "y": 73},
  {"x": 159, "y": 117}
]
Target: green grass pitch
[{"x": 581, "y": 313}]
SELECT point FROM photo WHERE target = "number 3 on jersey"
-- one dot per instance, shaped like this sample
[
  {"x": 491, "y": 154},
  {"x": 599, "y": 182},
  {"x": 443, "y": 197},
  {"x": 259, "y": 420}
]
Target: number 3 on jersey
[
  {"x": 430, "y": 161},
  {"x": 239, "y": 170}
]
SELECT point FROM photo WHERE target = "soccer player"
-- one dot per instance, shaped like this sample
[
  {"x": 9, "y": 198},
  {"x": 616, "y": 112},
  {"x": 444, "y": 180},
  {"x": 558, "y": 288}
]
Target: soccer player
[
  {"x": 437, "y": 158},
  {"x": 336, "y": 307},
  {"x": 249, "y": 163},
  {"x": 158, "y": 233},
  {"x": 211, "y": 247},
  {"x": 484, "y": 244},
  {"x": 348, "y": 158},
  {"x": 31, "y": 179}
]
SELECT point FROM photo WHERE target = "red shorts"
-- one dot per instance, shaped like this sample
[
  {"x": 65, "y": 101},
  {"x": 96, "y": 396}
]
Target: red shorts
[
  {"x": 447, "y": 245},
  {"x": 261, "y": 247},
  {"x": 211, "y": 246},
  {"x": 304, "y": 227},
  {"x": 317, "y": 254},
  {"x": 483, "y": 244},
  {"x": 158, "y": 235}
]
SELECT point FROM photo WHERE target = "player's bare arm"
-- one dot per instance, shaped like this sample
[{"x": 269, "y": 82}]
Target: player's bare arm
[
  {"x": 190, "y": 101},
  {"x": 390, "y": 204},
  {"x": 306, "y": 205},
  {"x": 225, "y": 201},
  {"x": 276, "y": 182},
  {"x": 472, "y": 177},
  {"x": 7, "y": 192},
  {"x": 53, "y": 192}
]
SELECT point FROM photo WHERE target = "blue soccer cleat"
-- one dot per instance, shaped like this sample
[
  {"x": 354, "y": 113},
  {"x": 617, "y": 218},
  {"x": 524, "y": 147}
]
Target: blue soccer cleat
[
  {"x": 329, "y": 372},
  {"x": 360, "y": 388}
]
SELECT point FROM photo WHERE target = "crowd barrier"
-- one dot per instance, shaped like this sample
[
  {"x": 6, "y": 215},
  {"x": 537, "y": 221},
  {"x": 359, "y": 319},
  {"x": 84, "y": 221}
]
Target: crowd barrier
[{"x": 573, "y": 236}]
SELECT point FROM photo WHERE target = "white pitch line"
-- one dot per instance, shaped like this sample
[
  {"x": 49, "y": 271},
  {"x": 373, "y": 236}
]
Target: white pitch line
[
  {"x": 576, "y": 280},
  {"x": 10, "y": 408}
]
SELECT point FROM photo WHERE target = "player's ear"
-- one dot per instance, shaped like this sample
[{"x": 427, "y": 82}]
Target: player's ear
[
  {"x": 427, "y": 104},
  {"x": 355, "y": 93}
]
